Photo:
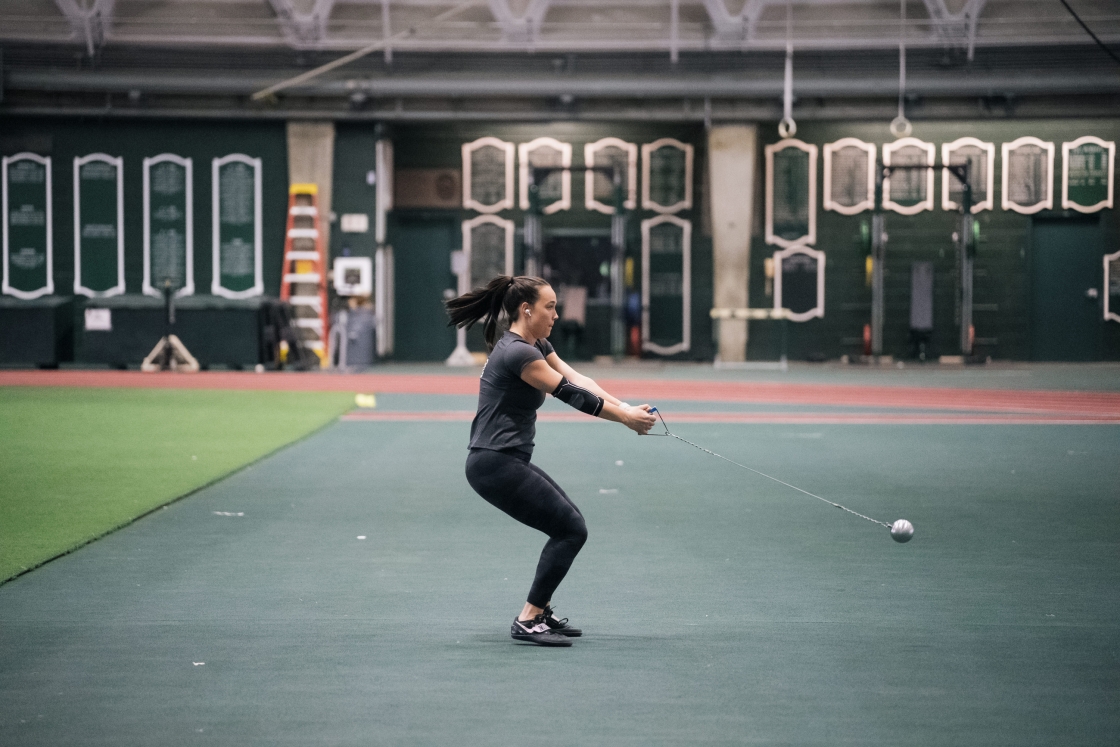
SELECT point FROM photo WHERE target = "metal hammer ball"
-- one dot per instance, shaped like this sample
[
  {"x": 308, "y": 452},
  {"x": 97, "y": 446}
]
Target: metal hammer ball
[{"x": 902, "y": 531}]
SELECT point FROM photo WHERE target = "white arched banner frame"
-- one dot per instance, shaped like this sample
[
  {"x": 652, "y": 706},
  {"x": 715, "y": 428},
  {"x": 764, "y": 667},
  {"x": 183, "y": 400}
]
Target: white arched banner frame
[
  {"x": 1110, "y": 314},
  {"x": 118, "y": 164},
  {"x": 48, "y": 288},
  {"x": 524, "y": 157},
  {"x": 888, "y": 150},
  {"x": 589, "y": 151},
  {"x": 468, "y": 225},
  {"x": 216, "y": 286},
  {"x": 686, "y": 285},
  {"x": 648, "y": 149},
  {"x": 506, "y": 202},
  {"x": 1046, "y": 203},
  {"x": 947, "y": 179},
  {"x": 1066, "y": 149},
  {"x": 862, "y": 205},
  {"x": 188, "y": 188},
  {"x": 773, "y": 148},
  {"x": 816, "y": 311}
]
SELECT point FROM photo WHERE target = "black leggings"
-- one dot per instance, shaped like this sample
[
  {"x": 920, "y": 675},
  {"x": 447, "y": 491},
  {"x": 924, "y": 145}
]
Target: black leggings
[{"x": 509, "y": 481}]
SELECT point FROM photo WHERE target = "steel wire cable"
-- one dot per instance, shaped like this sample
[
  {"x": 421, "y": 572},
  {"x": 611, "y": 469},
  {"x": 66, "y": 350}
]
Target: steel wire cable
[
  {"x": 1089, "y": 31},
  {"x": 762, "y": 474}
]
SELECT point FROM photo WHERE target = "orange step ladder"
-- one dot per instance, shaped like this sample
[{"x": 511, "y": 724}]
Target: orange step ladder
[{"x": 303, "y": 281}]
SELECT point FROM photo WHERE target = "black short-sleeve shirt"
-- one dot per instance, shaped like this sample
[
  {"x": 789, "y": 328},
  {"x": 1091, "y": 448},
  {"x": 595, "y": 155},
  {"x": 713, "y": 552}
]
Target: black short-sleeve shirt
[{"x": 507, "y": 406}]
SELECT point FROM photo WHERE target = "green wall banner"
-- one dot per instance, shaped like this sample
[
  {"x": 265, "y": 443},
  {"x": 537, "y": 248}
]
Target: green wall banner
[
  {"x": 237, "y": 245},
  {"x": 666, "y": 285},
  {"x": 1028, "y": 175},
  {"x": 28, "y": 231},
  {"x": 791, "y": 193},
  {"x": 667, "y": 176},
  {"x": 168, "y": 224},
  {"x": 1087, "y": 173},
  {"x": 98, "y": 225}
]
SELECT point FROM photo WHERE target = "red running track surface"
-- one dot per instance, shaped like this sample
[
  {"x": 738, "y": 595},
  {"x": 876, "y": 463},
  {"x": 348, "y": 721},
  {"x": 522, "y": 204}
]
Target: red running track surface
[
  {"x": 1091, "y": 404},
  {"x": 773, "y": 418}
]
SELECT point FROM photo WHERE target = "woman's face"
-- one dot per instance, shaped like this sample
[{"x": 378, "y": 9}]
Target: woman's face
[{"x": 542, "y": 315}]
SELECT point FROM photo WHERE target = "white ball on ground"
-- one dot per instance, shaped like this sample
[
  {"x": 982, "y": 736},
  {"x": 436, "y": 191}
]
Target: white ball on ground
[{"x": 902, "y": 531}]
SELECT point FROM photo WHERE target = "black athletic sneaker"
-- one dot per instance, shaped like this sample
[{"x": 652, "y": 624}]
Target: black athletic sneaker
[
  {"x": 537, "y": 631},
  {"x": 560, "y": 626}
]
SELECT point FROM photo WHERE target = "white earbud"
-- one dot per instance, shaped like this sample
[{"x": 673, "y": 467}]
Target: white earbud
[{"x": 528, "y": 313}]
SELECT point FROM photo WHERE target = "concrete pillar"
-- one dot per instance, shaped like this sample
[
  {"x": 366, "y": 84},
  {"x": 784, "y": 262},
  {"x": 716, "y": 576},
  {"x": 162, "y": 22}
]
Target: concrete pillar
[
  {"x": 383, "y": 258},
  {"x": 732, "y": 151},
  {"x": 311, "y": 161}
]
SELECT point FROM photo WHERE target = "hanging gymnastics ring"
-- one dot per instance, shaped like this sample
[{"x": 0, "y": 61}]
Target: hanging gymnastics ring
[
  {"x": 787, "y": 127},
  {"x": 901, "y": 127}
]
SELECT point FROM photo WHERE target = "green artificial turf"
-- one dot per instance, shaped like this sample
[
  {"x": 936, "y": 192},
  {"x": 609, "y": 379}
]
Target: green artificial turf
[{"x": 77, "y": 463}]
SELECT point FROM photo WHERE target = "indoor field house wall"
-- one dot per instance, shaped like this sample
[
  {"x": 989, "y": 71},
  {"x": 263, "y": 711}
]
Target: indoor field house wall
[
  {"x": 1011, "y": 253},
  {"x": 1015, "y": 253}
]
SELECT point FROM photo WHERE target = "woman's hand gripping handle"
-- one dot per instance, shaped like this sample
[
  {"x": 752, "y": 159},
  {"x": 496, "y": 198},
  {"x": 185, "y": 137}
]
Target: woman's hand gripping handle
[{"x": 638, "y": 418}]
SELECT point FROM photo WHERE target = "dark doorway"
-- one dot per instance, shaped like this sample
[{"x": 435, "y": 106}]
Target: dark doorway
[
  {"x": 422, "y": 247},
  {"x": 1066, "y": 281},
  {"x": 581, "y": 259}
]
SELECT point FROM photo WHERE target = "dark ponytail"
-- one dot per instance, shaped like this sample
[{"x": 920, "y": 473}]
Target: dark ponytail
[{"x": 503, "y": 293}]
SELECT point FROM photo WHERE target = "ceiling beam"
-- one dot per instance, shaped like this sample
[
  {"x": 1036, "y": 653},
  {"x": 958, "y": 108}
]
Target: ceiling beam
[
  {"x": 90, "y": 20},
  {"x": 956, "y": 29},
  {"x": 738, "y": 27},
  {"x": 303, "y": 30},
  {"x": 520, "y": 28},
  {"x": 816, "y": 84},
  {"x": 387, "y": 32}
]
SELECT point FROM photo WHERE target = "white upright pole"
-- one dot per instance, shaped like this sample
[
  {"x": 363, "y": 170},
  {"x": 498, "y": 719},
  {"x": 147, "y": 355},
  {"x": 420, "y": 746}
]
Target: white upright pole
[{"x": 460, "y": 265}]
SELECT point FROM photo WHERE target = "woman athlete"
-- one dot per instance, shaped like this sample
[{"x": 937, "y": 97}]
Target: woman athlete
[{"x": 521, "y": 369}]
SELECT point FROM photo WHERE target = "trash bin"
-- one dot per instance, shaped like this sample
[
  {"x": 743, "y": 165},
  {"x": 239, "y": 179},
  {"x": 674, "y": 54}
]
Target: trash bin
[{"x": 353, "y": 337}]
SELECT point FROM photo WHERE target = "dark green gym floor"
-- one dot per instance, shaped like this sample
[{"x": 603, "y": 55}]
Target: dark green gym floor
[{"x": 720, "y": 608}]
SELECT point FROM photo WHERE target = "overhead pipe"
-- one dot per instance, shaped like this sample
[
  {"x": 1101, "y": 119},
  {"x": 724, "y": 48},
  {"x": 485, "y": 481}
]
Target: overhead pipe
[
  {"x": 821, "y": 86},
  {"x": 734, "y": 111}
]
